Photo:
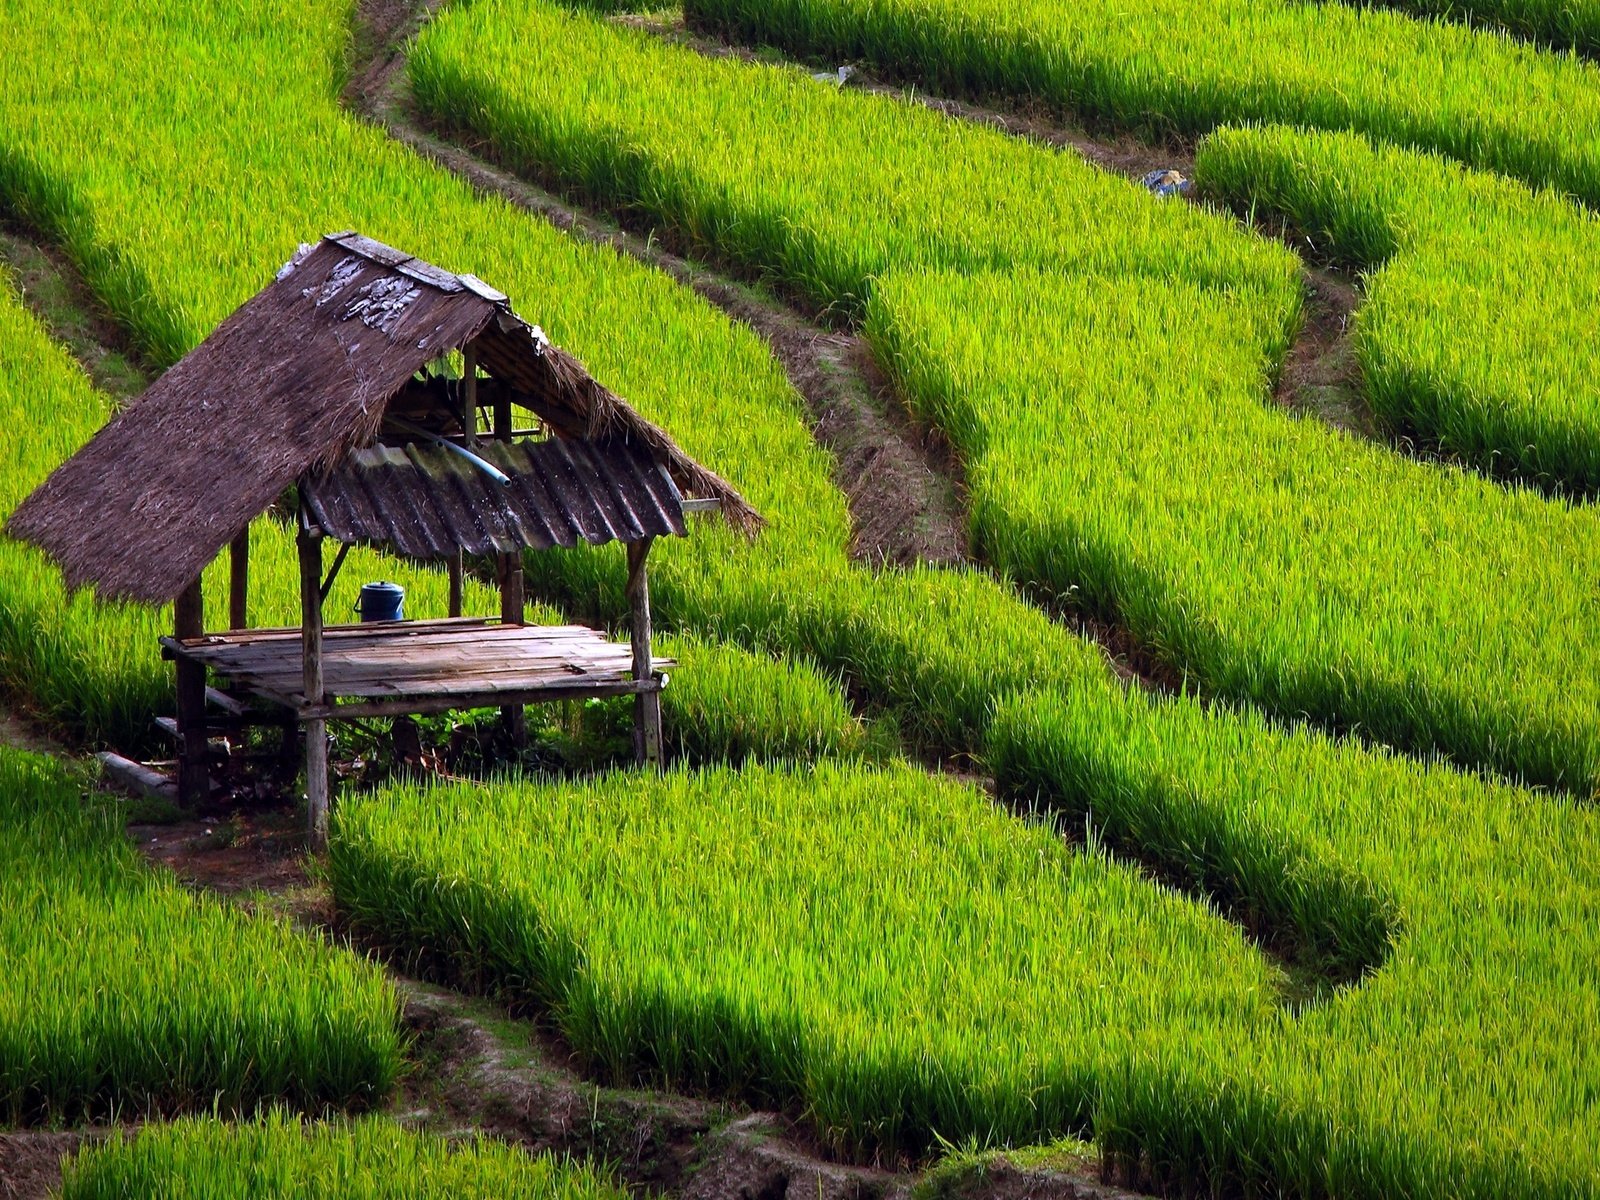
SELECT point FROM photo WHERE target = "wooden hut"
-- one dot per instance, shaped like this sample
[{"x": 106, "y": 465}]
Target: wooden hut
[{"x": 329, "y": 382}]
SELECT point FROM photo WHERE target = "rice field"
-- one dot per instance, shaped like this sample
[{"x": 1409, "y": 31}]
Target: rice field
[
  {"x": 278, "y": 1158},
  {"x": 1480, "y": 352},
  {"x": 1365, "y": 974},
  {"x": 1189, "y": 66},
  {"x": 126, "y": 995},
  {"x": 895, "y": 956},
  {"x": 1133, "y": 468}
]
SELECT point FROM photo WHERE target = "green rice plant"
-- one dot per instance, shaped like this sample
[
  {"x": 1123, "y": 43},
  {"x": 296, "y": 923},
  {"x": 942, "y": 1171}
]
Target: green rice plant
[
  {"x": 1188, "y": 66},
  {"x": 894, "y": 955},
  {"x": 179, "y": 160},
  {"x": 123, "y": 993},
  {"x": 279, "y": 1158},
  {"x": 1571, "y": 24},
  {"x": 1484, "y": 350},
  {"x": 1463, "y": 1065},
  {"x": 1114, "y": 427},
  {"x": 707, "y": 149},
  {"x": 726, "y": 704},
  {"x": 177, "y": 208},
  {"x": 1134, "y": 470},
  {"x": 885, "y": 948}
]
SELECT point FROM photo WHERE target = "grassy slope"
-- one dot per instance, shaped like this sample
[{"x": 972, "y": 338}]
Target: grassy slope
[
  {"x": 279, "y": 1159},
  {"x": 1463, "y": 341},
  {"x": 953, "y": 642},
  {"x": 124, "y": 993},
  {"x": 1131, "y": 463},
  {"x": 1192, "y": 65}
]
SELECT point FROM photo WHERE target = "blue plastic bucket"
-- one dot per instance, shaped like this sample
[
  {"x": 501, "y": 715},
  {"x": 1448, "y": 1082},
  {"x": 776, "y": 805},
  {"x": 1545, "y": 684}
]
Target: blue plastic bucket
[{"x": 382, "y": 602}]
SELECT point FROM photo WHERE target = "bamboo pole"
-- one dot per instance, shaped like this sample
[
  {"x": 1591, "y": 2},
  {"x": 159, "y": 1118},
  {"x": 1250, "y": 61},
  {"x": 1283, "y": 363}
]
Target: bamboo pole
[
  {"x": 194, "y": 776},
  {"x": 316, "y": 738},
  {"x": 646, "y": 705}
]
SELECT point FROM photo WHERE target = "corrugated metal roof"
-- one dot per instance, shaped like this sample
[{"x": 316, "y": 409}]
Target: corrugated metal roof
[{"x": 427, "y": 502}]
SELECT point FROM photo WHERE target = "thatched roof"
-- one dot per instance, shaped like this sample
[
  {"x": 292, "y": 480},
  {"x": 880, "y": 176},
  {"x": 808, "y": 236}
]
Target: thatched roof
[{"x": 288, "y": 386}]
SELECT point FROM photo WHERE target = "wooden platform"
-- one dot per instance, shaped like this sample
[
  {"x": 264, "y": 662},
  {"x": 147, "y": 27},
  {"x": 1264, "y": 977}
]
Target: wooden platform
[{"x": 422, "y": 666}]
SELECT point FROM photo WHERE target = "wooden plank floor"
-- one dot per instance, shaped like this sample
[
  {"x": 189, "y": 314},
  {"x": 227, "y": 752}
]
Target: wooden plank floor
[{"x": 418, "y": 659}]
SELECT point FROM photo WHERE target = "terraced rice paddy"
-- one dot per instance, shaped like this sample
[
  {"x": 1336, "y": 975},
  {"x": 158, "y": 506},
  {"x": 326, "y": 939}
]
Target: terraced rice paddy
[
  {"x": 1130, "y": 466},
  {"x": 278, "y": 1159},
  {"x": 125, "y": 994},
  {"x": 1251, "y": 936}
]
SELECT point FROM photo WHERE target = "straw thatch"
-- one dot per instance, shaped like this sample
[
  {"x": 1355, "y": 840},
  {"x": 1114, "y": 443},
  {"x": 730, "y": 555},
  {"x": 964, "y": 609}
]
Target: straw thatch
[{"x": 289, "y": 385}]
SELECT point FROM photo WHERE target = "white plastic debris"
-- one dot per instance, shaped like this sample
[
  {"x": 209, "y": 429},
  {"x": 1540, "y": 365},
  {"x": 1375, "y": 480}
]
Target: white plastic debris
[{"x": 838, "y": 78}]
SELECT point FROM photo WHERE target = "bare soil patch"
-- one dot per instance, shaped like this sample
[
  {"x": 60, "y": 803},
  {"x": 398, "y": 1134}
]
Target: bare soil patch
[{"x": 30, "y": 1161}]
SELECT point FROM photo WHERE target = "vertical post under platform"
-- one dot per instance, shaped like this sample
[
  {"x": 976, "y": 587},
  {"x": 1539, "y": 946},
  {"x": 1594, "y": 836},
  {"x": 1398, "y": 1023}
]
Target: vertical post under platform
[
  {"x": 646, "y": 705},
  {"x": 316, "y": 735},
  {"x": 513, "y": 599},
  {"x": 239, "y": 581},
  {"x": 194, "y": 775},
  {"x": 457, "y": 573}
]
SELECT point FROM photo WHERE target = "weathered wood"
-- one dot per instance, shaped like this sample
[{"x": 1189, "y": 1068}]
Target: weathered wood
[
  {"x": 194, "y": 778},
  {"x": 646, "y": 705},
  {"x": 450, "y": 701},
  {"x": 333, "y": 571},
  {"x": 136, "y": 777},
  {"x": 457, "y": 582},
  {"x": 316, "y": 735},
  {"x": 239, "y": 581},
  {"x": 469, "y": 395},
  {"x": 226, "y": 703}
]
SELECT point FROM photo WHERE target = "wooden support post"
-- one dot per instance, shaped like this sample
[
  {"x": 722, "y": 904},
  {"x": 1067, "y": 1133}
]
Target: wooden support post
[
  {"x": 457, "y": 578},
  {"x": 513, "y": 611},
  {"x": 469, "y": 394},
  {"x": 513, "y": 600},
  {"x": 239, "y": 581},
  {"x": 310, "y": 544},
  {"x": 646, "y": 705},
  {"x": 469, "y": 428},
  {"x": 194, "y": 779}
]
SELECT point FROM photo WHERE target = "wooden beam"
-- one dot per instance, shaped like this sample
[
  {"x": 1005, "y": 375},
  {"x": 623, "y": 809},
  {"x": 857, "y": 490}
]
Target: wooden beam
[
  {"x": 239, "y": 581},
  {"x": 646, "y": 705},
  {"x": 316, "y": 738},
  {"x": 194, "y": 779},
  {"x": 426, "y": 705},
  {"x": 136, "y": 777},
  {"x": 513, "y": 597}
]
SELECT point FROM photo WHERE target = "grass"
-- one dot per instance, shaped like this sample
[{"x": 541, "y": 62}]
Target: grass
[
  {"x": 898, "y": 958},
  {"x": 125, "y": 995},
  {"x": 1112, "y": 404},
  {"x": 1573, "y": 24},
  {"x": 1461, "y": 1067},
  {"x": 706, "y": 149},
  {"x": 890, "y": 951},
  {"x": 1484, "y": 354},
  {"x": 181, "y": 159},
  {"x": 1274, "y": 560},
  {"x": 1189, "y": 66},
  {"x": 279, "y": 1158}
]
